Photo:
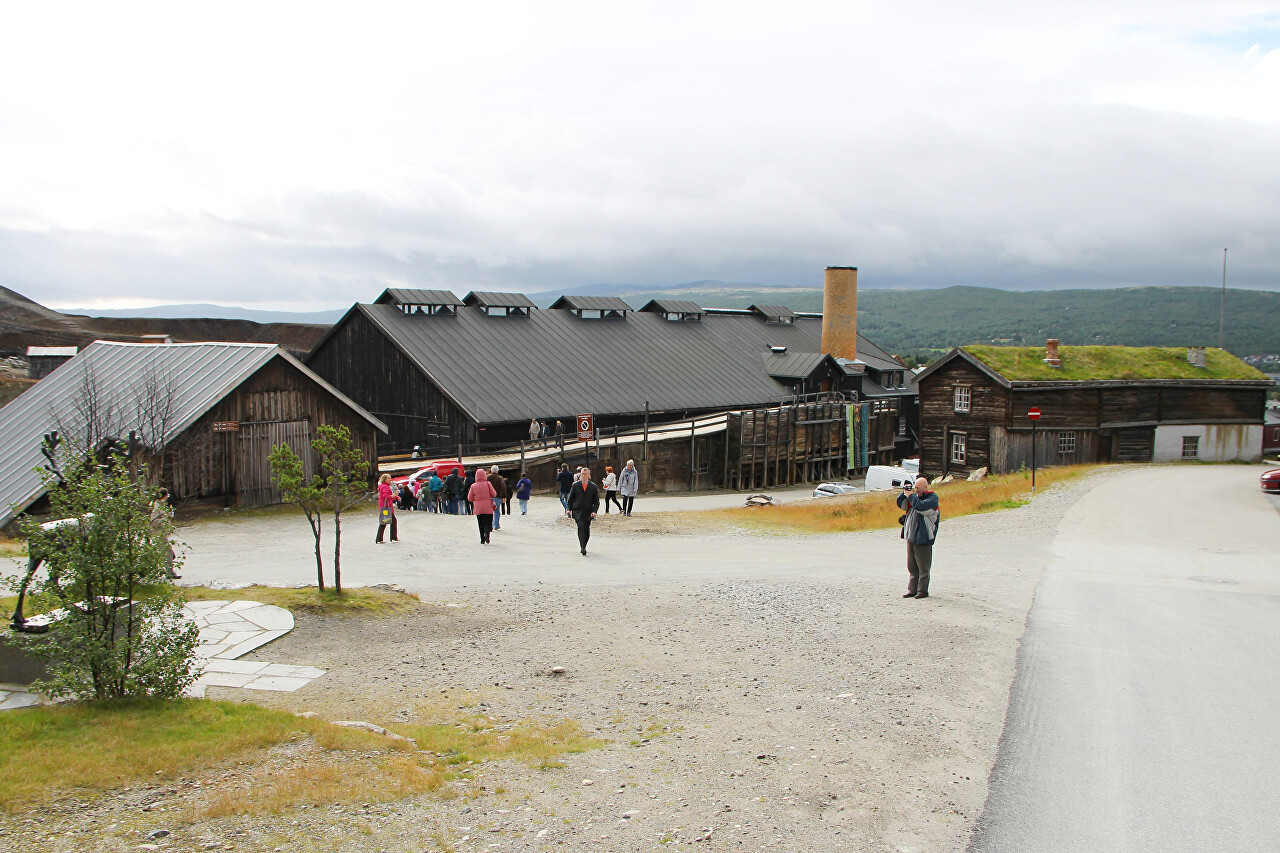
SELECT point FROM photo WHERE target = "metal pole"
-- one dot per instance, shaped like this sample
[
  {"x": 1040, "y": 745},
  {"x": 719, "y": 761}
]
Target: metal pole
[
  {"x": 693, "y": 454},
  {"x": 646, "y": 431},
  {"x": 1222, "y": 301},
  {"x": 1033, "y": 456}
]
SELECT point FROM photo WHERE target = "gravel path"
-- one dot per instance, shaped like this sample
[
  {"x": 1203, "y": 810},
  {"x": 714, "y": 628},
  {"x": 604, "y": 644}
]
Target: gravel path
[{"x": 759, "y": 692}]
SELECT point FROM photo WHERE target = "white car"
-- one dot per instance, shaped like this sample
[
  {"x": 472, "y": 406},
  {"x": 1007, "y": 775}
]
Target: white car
[{"x": 830, "y": 490}]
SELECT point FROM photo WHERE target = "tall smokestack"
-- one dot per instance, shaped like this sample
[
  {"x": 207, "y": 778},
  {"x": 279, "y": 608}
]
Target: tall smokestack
[{"x": 840, "y": 312}]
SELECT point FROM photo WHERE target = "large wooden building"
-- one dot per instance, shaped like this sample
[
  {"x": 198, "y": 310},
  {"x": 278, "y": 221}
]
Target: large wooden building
[
  {"x": 214, "y": 410},
  {"x": 1097, "y": 404},
  {"x": 444, "y": 372}
]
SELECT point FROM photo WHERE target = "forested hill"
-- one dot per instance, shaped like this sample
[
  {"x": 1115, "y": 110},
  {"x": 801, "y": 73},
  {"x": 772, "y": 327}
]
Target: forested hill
[{"x": 909, "y": 321}]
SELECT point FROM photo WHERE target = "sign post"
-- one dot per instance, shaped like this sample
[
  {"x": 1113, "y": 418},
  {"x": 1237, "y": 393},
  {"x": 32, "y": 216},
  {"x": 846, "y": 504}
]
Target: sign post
[
  {"x": 1034, "y": 414},
  {"x": 586, "y": 427}
]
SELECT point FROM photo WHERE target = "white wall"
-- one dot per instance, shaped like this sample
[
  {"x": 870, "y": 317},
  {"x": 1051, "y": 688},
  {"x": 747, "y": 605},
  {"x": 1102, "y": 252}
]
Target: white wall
[{"x": 1218, "y": 442}]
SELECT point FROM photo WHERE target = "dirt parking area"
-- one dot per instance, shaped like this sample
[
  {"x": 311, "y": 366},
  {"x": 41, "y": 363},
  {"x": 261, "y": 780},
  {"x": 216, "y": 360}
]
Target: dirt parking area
[{"x": 756, "y": 692}]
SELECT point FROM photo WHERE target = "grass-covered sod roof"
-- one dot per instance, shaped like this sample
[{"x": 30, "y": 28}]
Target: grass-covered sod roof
[{"x": 1026, "y": 364}]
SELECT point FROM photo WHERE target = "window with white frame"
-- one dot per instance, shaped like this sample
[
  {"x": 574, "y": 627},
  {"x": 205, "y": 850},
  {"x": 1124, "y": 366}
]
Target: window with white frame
[
  {"x": 958, "y": 443},
  {"x": 962, "y": 397},
  {"x": 1066, "y": 443},
  {"x": 1191, "y": 447}
]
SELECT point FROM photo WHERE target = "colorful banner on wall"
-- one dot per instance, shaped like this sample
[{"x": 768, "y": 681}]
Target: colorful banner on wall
[{"x": 859, "y": 417}]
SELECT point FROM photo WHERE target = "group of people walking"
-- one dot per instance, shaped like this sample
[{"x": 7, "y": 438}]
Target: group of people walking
[{"x": 487, "y": 495}]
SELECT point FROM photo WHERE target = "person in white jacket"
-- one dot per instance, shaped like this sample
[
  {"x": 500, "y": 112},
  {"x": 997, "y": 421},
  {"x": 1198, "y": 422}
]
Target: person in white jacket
[
  {"x": 610, "y": 485},
  {"x": 629, "y": 485}
]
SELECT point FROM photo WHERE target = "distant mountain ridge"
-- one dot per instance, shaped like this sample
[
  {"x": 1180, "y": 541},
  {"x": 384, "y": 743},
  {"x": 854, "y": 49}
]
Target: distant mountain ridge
[{"x": 206, "y": 310}]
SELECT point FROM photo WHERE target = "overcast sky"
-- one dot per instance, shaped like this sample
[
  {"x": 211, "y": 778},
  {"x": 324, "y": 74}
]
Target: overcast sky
[{"x": 305, "y": 156}]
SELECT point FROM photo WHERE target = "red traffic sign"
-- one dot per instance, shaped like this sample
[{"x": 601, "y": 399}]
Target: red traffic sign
[
  {"x": 1034, "y": 414},
  {"x": 586, "y": 427}
]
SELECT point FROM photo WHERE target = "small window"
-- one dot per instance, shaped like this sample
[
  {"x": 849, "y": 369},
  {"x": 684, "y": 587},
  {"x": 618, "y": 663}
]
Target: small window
[
  {"x": 962, "y": 398},
  {"x": 958, "y": 442},
  {"x": 1191, "y": 447},
  {"x": 1066, "y": 443}
]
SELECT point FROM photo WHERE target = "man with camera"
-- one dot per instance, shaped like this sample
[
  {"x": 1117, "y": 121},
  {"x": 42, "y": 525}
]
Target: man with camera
[{"x": 919, "y": 529}]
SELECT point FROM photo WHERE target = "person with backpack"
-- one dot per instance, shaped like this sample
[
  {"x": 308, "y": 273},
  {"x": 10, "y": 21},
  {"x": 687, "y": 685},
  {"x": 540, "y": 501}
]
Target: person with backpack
[
  {"x": 499, "y": 484},
  {"x": 524, "y": 488},
  {"x": 452, "y": 491},
  {"x": 434, "y": 487}
]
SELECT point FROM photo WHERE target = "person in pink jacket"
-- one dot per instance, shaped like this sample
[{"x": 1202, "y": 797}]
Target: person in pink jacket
[
  {"x": 482, "y": 495},
  {"x": 386, "y": 509}
]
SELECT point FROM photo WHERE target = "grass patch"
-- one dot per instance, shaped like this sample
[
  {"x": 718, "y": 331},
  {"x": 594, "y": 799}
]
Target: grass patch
[
  {"x": 48, "y": 751},
  {"x": 879, "y": 510},
  {"x": 100, "y": 746},
  {"x": 11, "y": 547},
  {"x": 1027, "y": 363},
  {"x": 357, "y": 601}
]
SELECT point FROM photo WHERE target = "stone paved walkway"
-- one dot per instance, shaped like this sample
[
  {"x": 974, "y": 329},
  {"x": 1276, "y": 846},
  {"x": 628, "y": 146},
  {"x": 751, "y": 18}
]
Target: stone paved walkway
[{"x": 228, "y": 630}]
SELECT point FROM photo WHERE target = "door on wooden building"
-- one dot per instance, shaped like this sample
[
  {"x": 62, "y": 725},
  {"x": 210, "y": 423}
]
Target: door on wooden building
[{"x": 254, "y": 485}]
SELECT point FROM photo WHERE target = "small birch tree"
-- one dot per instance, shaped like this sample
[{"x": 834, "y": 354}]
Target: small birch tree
[
  {"x": 307, "y": 493},
  {"x": 346, "y": 474}
]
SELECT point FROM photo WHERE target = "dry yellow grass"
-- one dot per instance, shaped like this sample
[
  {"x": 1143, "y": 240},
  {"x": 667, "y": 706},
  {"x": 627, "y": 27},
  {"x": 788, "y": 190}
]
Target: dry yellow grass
[
  {"x": 10, "y": 547},
  {"x": 878, "y": 510},
  {"x": 356, "y": 601}
]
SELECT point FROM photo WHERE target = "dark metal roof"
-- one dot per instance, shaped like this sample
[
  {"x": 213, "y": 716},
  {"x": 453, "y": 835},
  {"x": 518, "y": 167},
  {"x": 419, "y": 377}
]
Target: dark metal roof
[
  {"x": 495, "y": 299},
  {"x": 592, "y": 303},
  {"x": 772, "y": 311},
  {"x": 409, "y": 296},
  {"x": 202, "y": 374},
  {"x": 673, "y": 306},
  {"x": 793, "y": 365},
  {"x": 552, "y": 364}
]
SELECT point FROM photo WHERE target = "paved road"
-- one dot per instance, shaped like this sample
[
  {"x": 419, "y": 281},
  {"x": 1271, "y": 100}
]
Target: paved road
[{"x": 1143, "y": 715}]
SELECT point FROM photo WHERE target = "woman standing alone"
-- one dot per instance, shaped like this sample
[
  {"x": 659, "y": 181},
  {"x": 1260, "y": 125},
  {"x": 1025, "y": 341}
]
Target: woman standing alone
[{"x": 386, "y": 509}]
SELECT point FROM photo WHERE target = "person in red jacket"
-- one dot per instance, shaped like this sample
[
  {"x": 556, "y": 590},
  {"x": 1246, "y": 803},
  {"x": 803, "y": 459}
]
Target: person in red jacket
[
  {"x": 386, "y": 509},
  {"x": 482, "y": 495}
]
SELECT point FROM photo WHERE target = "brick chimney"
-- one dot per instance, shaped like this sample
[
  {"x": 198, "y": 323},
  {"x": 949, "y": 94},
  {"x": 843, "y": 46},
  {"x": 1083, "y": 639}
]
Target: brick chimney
[
  {"x": 1195, "y": 356},
  {"x": 840, "y": 312},
  {"x": 1051, "y": 353}
]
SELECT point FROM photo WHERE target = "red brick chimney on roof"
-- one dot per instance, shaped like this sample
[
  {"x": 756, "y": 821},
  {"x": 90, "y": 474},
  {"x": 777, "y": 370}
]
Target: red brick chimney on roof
[
  {"x": 1051, "y": 353},
  {"x": 840, "y": 312}
]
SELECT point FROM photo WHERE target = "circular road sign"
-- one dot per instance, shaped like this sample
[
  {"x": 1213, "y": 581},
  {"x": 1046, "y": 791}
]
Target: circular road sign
[{"x": 1034, "y": 414}]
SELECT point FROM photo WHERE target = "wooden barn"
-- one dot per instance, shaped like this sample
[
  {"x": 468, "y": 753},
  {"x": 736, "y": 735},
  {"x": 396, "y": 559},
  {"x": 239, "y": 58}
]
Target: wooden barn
[
  {"x": 1098, "y": 404},
  {"x": 444, "y": 372},
  {"x": 211, "y": 411}
]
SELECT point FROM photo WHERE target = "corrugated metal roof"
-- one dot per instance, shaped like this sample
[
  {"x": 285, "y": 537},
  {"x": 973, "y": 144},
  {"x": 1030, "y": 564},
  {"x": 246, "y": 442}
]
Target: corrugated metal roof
[
  {"x": 410, "y": 296},
  {"x": 793, "y": 365},
  {"x": 551, "y": 363},
  {"x": 202, "y": 374},
  {"x": 494, "y": 299},
  {"x": 673, "y": 306},
  {"x": 592, "y": 303},
  {"x": 51, "y": 352}
]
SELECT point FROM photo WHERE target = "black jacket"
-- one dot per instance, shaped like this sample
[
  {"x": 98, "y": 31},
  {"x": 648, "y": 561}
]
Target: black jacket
[
  {"x": 584, "y": 500},
  {"x": 453, "y": 485},
  {"x": 566, "y": 481}
]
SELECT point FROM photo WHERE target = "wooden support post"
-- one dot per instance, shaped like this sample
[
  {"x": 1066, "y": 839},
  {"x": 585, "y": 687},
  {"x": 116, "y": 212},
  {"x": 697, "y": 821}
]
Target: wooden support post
[
  {"x": 742, "y": 447},
  {"x": 693, "y": 454},
  {"x": 597, "y": 452},
  {"x": 724, "y": 483},
  {"x": 460, "y": 462},
  {"x": 522, "y": 455}
]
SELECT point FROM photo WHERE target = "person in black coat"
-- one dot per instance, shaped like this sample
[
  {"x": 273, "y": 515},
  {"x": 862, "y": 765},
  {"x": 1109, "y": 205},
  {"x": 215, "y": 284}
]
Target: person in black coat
[
  {"x": 453, "y": 491},
  {"x": 584, "y": 503},
  {"x": 468, "y": 509}
]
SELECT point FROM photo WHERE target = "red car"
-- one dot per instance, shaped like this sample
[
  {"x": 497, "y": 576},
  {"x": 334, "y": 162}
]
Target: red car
[
  {"x": 440, "y": 466},
  {"x": 1270, "y": 480}
]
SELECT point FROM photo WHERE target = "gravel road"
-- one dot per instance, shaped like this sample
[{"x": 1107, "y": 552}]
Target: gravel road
[{"x": 759, "y": 692}]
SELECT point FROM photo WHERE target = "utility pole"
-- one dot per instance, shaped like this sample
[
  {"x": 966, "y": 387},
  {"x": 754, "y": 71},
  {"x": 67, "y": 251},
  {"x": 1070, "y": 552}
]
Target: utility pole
[{"x": 1222, "y": 302}]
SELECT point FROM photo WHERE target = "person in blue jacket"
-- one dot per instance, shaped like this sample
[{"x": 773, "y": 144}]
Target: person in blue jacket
[
  {"x": 920, "y": 530},
  {"x": 565, "y": 479},
  {"x": 524, "y": 487}
]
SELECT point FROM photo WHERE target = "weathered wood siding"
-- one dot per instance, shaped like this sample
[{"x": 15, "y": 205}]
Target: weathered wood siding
[
  {"x": 204, "y": 464},
  {"x": 362, "y": 363},
  {"x": 988, "y": 408}
]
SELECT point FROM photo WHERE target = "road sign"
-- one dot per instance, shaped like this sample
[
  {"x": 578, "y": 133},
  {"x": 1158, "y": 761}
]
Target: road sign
[
  {"x": 586, "y": 427},
  {"x": 226, "y": 426},
  {"x": 1034, "y": 414}
]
